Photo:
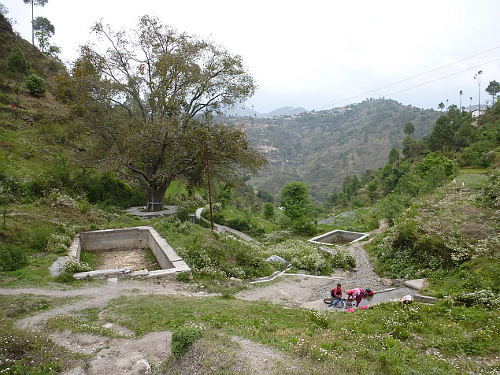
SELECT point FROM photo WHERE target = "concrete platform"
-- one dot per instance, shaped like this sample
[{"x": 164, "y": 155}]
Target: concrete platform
[
  {"x": 143, "y": 214},
  {"x": 416, "y": 284}
]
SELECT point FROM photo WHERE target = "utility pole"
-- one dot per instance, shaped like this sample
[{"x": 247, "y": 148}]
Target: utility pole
[
  {"x": 478, "y": 77},
  {"x": 209, "y": 191}
]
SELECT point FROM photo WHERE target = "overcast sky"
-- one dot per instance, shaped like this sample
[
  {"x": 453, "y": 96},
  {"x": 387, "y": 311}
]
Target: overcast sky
[{"x": 317, "y": 54}]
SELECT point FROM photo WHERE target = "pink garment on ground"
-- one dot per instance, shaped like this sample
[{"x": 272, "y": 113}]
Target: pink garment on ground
[
  {"x": 364, "y": 307},
  {"x": 406, "y": 298},
  {"x": 350, "y": 310}
]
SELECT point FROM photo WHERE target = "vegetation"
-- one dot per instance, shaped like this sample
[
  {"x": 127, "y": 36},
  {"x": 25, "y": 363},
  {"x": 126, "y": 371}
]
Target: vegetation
[
  {"x": 322, "y": 148},
  {"x": 163, "y": 130},
  {"x": 390, "y": 338},
  {"x": 440, "y": 196},
  {"x": 33, "y": 3}
]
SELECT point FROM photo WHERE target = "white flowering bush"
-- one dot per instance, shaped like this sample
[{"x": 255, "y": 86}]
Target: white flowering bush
[
  {"x": 307, "y": 256},
  {"x": 58, "y": 243},
  {"x": 58, "y": 199},
  {"x": 74, "y": 265},
  {"x": 344, "y": 259},
  {"x": 197, "y": 200},
  {"x": 484, "y": 297},
  {"x": 490, "y": 194},
  {"x": 277, "y": 236},
  {"x": 197, "y": 259},
  {"x": 314, "y": 262}
]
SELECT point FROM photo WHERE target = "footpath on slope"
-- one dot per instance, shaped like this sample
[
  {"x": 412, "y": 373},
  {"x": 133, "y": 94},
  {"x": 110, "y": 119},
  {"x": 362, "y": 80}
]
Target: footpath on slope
[{"x": 223, "y": 228}]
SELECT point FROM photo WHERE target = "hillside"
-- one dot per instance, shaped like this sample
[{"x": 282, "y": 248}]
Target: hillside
[
  {"x": 318, "y": 148},
  {"x": 322, "y": 148},
  {"x": 244, "y": 111},
  {"x": 443, "y": 226}
]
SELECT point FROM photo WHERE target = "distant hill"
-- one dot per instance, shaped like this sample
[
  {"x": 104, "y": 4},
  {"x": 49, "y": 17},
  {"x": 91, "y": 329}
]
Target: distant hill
[
  {"x": 322, "y": 148},
  {"x": 244, "y": 111},
  {"x": 285, "y": 111}
]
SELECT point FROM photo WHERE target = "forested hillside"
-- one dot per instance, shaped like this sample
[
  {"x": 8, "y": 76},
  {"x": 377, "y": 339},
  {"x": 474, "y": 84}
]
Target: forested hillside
[{"x": 322, "y": 148}]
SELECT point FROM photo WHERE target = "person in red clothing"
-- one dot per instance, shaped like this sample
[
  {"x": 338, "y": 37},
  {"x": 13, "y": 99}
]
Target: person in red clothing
[
  {"x": 355, "y": 294},
  {"x": 337, "y": 297}
]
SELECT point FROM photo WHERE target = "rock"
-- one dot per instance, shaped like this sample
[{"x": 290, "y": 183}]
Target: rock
[
  {"x": 276, "y": 258},
  {"x": 386, "y": 282},
  {"x": 398, "y": 282},
  {"x": 141, "y": 367}
]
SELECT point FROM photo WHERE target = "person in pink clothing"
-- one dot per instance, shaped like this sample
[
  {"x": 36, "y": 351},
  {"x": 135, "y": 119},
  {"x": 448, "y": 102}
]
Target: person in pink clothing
[{"x": 355, "y": 294}]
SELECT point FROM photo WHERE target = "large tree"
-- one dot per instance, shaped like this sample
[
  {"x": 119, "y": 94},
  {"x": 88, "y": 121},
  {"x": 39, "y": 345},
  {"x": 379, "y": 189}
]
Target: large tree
[
  {"x": 442, "y": 136},
  {"x": 33, "y": 3},
  {"x": 146, "y": 106}
]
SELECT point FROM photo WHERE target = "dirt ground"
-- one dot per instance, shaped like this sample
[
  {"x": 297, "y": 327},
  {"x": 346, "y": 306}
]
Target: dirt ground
[
  {"x": 137, "y": 356},
  {"x": 135, "y": 259}
]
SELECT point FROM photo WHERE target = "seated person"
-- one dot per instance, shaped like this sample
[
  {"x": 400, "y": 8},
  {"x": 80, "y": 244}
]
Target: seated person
[{"x": 337, "y": 297}]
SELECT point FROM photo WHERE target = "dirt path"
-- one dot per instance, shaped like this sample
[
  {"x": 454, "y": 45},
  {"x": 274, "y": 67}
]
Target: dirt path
[{"x": 136, "y": 356}]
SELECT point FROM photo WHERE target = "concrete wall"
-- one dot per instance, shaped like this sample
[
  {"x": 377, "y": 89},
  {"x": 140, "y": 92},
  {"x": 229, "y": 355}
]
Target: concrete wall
[
  {"x": 331, "y": 237},
  {"x": 163, "y": 252},
  {"x": 114, "y": 239},
  {"x": 130, "y": 238}
]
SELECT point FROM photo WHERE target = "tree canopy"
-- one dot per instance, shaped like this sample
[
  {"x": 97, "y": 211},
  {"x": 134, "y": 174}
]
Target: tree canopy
[
  {"x": 148, "y": 101},
  {"x": 493, "y": 89},
  {"x": 44, "y": 30},
  {"x": 409, "y": 129},
  {"x": 294, "y": 198}
]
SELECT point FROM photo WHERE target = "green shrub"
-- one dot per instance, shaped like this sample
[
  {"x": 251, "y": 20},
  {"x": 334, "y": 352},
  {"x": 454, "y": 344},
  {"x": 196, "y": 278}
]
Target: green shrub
[
  {"x": 183, "y": 338},
  {"x": 182, "y": 214},
  {"x": 36, "y": 85},
  {"x": 277, "y": 236},
  {"x": 12, "y": 258},
  {"x": 183, "y": 276},
  {"x": 39, "y": 237},
  {"x": 343, "y": 259},
  {"x": 305, "y": 227}
]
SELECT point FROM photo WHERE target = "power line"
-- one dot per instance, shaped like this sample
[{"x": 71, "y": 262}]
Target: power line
[
  {"x": 419, "y": 75},
  {"x": 437, "y": 79}
]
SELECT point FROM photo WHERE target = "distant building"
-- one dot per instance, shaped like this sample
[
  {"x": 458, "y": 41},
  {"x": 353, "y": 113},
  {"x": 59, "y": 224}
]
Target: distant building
[{"x": 477, "y": 113}]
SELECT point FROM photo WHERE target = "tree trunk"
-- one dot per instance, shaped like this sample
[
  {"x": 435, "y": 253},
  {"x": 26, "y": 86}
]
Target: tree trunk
[
  {"x": 155, "y": 196},
  {"x": 32, "y": 20}
]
